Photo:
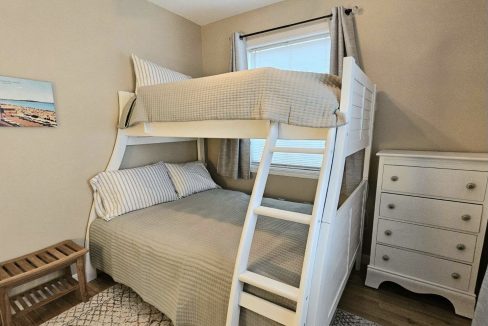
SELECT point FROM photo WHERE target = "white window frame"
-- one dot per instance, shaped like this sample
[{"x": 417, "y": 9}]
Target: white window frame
[{"x": 303, "y": 32}]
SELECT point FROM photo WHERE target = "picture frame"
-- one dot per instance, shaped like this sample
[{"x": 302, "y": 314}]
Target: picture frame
[{"x": 26, "y": 103}]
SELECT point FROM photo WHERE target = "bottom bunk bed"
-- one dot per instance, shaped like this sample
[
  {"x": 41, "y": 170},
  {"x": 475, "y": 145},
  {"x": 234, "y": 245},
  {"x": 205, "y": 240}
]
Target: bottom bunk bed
[
  {"x": 179, "y": 256},
  {"x": 200, "y": 259}
]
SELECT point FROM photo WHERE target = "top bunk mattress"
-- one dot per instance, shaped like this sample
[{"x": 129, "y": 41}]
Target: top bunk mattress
[{"x": 291, "y": 97}]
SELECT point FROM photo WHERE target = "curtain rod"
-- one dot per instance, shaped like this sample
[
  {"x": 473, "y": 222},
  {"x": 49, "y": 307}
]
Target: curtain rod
[{"x": 347, "y": 11}]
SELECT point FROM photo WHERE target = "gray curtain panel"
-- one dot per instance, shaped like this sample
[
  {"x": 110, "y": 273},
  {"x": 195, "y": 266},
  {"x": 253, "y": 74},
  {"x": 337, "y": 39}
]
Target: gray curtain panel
[
  {"x": 343, "y": 39},
  {"x": 481, "y": 313},
  {"x": 235, "y": 154}
]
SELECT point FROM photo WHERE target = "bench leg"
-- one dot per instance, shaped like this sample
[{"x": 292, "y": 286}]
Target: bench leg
[
  {"x": 5, "y": 308},
  {"x": 67, "y": 271},
  {"x": 80, "y": 270}
]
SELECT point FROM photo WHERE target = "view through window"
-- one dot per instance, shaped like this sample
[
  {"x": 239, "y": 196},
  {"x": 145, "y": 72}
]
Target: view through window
[{"x": 311, "y": 54}]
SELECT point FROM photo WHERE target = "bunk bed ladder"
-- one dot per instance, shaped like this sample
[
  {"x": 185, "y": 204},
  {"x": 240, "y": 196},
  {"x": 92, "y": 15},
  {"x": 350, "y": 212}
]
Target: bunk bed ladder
[{"x": 239, "y": 298}]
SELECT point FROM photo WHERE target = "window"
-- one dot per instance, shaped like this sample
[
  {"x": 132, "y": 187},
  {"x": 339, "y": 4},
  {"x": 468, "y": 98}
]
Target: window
[
  {"x": 304, "y": 49},
  {"x": 306, "y": 54}
]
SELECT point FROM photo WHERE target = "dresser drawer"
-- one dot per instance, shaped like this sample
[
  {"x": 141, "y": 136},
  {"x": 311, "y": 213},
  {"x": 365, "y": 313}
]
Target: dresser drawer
[
  {"x": 444, "y": 243},
  {"x": 456, "y": 184},
  {"x": 436, "y": 270},
  {"x": 454, "y": 215}
]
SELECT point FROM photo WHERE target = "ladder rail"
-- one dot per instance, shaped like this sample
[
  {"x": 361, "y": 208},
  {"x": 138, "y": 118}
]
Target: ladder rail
[
  {"x": 254, "y": 208},
  {"x": 314, "y": 230},
  {"x": 243, "y": 252}
]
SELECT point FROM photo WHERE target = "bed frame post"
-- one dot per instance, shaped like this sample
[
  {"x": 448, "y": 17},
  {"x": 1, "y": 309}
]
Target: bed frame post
[
  {"x": 126, "y": 138},
  {"x": 326, "y": 257},
  {"x": 340, "y": 241},
  {"x": 367, "y": 162},
  {"x": 201, "y": 149},
  {"x": 114, "y": 164},
  {"x": 121, "y": 142}
]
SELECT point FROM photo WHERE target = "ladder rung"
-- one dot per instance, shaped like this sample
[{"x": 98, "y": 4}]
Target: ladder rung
[
  {"x": 265, "y": 308},
  {"x": 283, "y": 215},
  {"x": 300, "y": 150},
  {"x": 270, "y": 285}
]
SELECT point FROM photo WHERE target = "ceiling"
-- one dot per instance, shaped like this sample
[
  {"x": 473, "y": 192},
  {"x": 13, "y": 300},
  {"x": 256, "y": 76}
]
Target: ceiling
[{"x": 204, "y": 12}]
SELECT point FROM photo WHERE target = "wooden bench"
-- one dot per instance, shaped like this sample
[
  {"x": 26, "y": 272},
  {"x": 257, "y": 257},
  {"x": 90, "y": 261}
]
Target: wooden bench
[{"x": 24, "y": 269}]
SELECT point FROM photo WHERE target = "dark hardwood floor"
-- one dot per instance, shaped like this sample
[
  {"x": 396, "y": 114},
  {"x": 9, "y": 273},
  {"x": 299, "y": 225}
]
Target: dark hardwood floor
[
  {"x": 393, "y": 305},
  {"x": 390, "y": 305}
]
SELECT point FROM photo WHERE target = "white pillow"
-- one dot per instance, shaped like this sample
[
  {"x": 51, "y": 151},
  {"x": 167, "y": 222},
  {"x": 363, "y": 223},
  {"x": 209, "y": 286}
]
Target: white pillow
[
  {"x": 122, "y": 191},
  {"x": 190, "y": 178},
  {"x": 149, "y": 73}
]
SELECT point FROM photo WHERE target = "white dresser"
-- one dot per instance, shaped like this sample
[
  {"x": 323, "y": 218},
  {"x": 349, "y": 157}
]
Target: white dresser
[{"x": 429, "y": 223}]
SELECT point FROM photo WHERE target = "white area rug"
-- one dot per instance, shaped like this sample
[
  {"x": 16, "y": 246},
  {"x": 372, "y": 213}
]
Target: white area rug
[{"x": 119, "y": 305}]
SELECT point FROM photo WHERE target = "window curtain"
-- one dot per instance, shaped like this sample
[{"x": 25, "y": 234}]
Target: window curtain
[
  {"x": 235, "y": 154},
  {"x": 343, "y": 39}
]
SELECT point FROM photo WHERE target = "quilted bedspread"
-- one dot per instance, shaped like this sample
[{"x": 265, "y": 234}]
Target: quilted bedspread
[
  {"x": 292, "y": 97},
  {"x": 179, "y": 256}
]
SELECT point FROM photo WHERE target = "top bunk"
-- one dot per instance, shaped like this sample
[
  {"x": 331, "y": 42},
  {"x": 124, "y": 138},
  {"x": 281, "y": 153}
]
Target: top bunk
[{"x": 245, "y": 104}]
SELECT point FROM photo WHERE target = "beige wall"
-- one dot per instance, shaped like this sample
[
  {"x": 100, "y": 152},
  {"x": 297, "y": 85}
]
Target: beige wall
[
  {"x": 83, "y": 47},
  {"x": 428, "y": 57}
]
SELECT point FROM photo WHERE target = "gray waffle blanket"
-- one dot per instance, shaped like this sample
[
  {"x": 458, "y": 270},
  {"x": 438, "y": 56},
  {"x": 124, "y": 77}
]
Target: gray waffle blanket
[
  {"x": 292, "y": 97},
  {"x": 179, "y": 256}
]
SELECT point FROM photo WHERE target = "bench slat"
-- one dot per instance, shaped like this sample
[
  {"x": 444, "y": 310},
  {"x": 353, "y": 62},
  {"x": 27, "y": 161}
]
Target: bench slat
[
  {"x": 35, "y": 260},
  {"x": 65, "y": 249},
  {"x": 12, "y": 269},
  {"x": 25, "y": 265},
  {"x": 3, "y": 274},
  {"x": 15, "y": 306},
  {"x": 45, "y": 257},
  {"x": 73, "y": 246},
  {"x": 56, "y": 253}
]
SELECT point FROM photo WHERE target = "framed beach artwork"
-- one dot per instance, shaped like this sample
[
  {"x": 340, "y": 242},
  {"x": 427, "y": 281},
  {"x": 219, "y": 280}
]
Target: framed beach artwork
[{"x": 26, "y": 103}]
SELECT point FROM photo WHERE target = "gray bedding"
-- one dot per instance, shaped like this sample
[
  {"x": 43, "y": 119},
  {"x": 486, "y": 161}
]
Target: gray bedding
[
  {"x": 179, "y": 256},
  {"x": 292, "y": 97}
]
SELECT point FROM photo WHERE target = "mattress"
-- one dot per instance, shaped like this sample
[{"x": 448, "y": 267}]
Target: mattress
[
  {"x": 291, "y": 97},
  {"x": 179, "y": 256}
]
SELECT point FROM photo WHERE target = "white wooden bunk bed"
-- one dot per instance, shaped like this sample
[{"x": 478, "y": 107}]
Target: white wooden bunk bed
[{"x": 334, "y": 235}]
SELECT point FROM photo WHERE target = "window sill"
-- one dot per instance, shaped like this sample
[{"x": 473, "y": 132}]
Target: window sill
[{"x": 289, "y": 172}]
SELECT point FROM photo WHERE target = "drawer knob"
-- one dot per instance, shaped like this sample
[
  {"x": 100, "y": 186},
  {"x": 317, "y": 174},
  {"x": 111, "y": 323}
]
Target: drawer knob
[
  {"x": 460, "y": 246},
  {"x": 388, "y": 232},
  {"x": 471, "y": 186},
  {"x": 394, "y": 178},
  {"x": 466, "y": 217},
  {"x": 391, "y": 206},
  {"x": 386, "y": 257},
  {"x": 455, "y": 276}
]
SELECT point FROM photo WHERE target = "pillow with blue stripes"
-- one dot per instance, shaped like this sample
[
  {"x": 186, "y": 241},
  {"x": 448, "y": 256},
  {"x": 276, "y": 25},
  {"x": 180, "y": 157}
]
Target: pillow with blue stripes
[
  {"x": 189, "y": 178},
  {"x": 122, "y": 191}
]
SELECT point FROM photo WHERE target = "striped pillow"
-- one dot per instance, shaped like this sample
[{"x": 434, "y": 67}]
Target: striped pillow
[
  {"x": 190, "y": 178},
  {"x": 122, "y": 191},
  {"x": 149, "y": 73}
]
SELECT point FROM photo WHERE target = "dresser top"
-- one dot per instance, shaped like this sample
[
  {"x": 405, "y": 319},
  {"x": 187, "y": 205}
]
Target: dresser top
[{"x": 436, "y": 155}]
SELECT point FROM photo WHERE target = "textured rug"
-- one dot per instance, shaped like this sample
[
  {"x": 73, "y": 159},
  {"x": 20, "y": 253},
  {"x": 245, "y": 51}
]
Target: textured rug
[{"x": 119, "y": 305}]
